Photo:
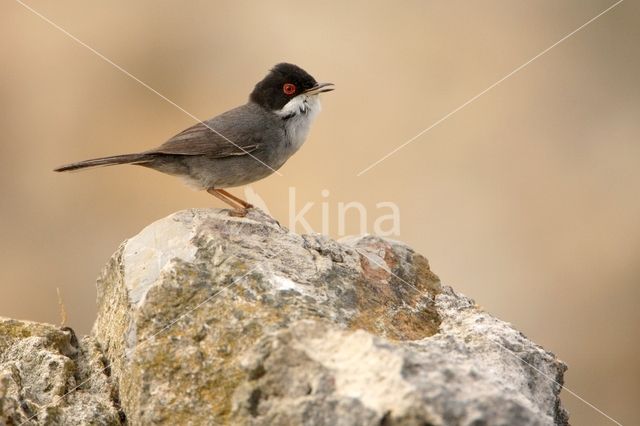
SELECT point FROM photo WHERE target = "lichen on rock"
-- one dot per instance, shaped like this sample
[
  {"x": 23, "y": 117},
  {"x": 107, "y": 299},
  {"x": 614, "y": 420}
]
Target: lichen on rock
[{"x": 48, "y": 377}]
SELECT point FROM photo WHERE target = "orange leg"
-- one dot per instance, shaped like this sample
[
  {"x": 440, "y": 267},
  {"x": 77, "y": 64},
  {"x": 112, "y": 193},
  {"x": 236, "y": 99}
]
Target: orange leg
[
  {"x": 236, "y": 199},
  {"x": 238, "y": 209}
]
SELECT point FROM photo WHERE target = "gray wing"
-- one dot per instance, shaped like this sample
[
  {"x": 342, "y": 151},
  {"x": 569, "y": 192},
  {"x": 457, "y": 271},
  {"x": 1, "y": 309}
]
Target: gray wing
[{"x": 200, "y": 139}]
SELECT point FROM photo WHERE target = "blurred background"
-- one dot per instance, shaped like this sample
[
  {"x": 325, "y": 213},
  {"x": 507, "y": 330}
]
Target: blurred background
[{"x": 526, "y": 200}]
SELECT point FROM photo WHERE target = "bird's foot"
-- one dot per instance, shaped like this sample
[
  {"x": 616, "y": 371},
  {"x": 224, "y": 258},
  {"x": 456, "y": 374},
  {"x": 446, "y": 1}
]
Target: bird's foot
[{"x": 238, "y": 212}]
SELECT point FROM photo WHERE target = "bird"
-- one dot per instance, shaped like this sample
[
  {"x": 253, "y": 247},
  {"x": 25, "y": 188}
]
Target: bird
[{"x": 239, "y": 146}]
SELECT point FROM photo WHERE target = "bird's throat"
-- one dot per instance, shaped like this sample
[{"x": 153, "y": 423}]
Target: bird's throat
[{"x": 298, "y": 114}]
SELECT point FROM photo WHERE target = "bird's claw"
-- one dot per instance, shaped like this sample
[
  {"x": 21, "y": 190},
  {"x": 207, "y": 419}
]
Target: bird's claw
[{"x": 238, "y": 212}]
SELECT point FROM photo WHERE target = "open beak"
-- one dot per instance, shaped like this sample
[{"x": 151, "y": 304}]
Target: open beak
[{"x": 319, "y": 88}]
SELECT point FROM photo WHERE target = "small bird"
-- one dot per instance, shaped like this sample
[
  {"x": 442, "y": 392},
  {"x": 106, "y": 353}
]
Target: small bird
[{"x": 240, "y": 146}]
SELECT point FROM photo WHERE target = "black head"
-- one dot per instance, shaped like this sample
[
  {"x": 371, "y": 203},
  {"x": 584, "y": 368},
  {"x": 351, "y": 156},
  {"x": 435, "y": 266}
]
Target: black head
[{"x": 284, "y": 82}]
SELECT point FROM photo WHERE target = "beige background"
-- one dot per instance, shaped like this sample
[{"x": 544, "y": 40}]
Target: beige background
[{"x": 526, "y": 200}]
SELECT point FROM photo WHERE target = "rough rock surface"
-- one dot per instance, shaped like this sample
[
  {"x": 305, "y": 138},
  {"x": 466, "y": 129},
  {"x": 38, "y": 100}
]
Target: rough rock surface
[
  {"x": 39, "y": 365},
  {"x": 205, "y": 318}
]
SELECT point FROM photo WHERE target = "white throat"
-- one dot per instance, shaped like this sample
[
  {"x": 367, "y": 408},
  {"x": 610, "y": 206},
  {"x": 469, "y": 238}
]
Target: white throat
[{"x": 298, "y": 114}]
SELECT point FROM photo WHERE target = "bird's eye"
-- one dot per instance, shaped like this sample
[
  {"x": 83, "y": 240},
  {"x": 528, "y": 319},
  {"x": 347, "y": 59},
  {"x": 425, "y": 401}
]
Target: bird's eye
[{"x": 289, "y": 88}]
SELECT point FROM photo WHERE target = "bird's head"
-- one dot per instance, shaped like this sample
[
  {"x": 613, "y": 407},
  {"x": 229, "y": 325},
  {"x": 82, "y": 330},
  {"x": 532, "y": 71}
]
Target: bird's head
[{"x": 288, "y": 89}]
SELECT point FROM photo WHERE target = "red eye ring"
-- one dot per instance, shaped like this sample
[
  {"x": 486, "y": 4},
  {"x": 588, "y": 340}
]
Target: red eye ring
[{"x": 289, "y": 88}]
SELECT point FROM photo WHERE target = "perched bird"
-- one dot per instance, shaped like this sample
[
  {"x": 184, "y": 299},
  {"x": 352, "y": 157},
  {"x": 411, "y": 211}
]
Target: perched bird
[{"x": 240, "y": 146}]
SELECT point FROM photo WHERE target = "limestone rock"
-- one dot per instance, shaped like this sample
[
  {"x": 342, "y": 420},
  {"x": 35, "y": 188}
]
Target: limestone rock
[
  {"x": 47, "y": 377},
  {"x": 210, "y": 319}
]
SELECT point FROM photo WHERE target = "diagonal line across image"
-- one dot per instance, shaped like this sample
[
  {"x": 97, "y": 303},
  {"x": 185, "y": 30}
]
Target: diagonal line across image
[
  {"x": 150, "y": 338},
  {"x": 537, "y": 370},
  {"x": 128, "y": 74},
  {"x": 422, "y": 132},
  {"x": 359, "y": 174}
]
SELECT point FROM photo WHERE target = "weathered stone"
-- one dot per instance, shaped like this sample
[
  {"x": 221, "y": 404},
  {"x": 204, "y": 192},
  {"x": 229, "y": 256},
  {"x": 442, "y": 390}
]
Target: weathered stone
[
  {"x": 209, "y": 319},
  {"x": 316, "y": 373},
  {"x": 47, "y": 377},
  {"x": 206, "y": 319}
]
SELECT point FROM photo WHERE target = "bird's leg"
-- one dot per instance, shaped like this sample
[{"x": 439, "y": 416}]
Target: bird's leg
[
  {"x": 236, "y": 199},
  {"x": 238, "y": 209}
]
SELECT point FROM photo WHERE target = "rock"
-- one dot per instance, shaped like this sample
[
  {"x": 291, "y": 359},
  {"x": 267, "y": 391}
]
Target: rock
[
  {"x": 39, "y": 365},
  {"x": 207, "y": 318}
]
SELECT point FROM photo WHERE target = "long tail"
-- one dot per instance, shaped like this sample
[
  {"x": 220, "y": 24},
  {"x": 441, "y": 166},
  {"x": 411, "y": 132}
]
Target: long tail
[{"x": 106, "y": 161}]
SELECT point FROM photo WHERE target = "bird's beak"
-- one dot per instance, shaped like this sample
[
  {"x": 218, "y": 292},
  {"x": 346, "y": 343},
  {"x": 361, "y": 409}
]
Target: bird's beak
[{"x": 319, "y": 88}]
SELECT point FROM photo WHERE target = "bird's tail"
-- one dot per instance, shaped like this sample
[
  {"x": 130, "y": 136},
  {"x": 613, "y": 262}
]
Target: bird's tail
[{"x": 106, "y": 161}]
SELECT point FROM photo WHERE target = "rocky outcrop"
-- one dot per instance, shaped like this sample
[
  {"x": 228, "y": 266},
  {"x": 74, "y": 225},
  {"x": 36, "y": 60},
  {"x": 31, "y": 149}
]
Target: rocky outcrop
[{"x": 210, "y": 319}]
